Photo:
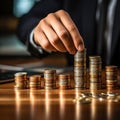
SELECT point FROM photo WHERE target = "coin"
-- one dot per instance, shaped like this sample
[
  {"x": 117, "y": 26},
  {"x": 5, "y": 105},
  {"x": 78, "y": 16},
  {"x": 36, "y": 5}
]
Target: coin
[
  {"x": 35, "y": 82},
  {"x": 20, "y": 79},
  {"x": 80, "y": 69},
  {"x": 111, "y": 77},
  {"x": 64, "y": 81},
  {"x": 95, "y": 71},
  {"x": 50, "y": 79}
]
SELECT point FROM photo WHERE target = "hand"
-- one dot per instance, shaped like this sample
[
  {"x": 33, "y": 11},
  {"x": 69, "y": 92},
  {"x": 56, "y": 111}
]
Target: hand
[{"x": 57, "y": 32}]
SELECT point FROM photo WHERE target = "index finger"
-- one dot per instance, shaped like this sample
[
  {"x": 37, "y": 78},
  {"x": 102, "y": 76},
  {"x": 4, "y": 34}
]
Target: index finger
[{"x": 71, "y": 27}]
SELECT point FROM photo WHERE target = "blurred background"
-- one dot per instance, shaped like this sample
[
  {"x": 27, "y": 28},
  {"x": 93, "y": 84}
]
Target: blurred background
[{"x": 10, "y": 12}]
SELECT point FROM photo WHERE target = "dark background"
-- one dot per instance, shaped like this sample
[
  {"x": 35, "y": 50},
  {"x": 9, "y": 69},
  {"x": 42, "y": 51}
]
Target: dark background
[
  {"x": 10, "y": 12},
  {"x": 6, "y": 7}
]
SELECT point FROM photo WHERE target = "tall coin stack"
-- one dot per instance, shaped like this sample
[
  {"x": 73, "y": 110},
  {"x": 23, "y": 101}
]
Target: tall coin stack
[
  {"x": 111, "y": 78},
  {"x": 80, "y": 69},
  {"x": 95, "y": 71},
  {"x": 64, "y": 81},
  {"x": 50, "y": 79},
  {"x": 20, "y": 80},
  {"x": 35, "y": 82}
]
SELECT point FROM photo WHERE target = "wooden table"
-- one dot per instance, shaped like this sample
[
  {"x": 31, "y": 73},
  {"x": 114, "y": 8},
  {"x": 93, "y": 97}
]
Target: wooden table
[{"x": 53, "y": 105}]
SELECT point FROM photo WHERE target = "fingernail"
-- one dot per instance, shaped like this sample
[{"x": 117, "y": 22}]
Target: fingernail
[{"x": 81, "y": 47}]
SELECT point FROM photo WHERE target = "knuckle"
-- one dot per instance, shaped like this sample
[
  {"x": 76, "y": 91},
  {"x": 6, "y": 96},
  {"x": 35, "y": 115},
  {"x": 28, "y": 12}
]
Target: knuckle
[
  {"x": 42, "y": 21},
  {"x": 72, "y": 28},
  {"x": 42, "y": 24},
  {"x": 37, "y": 33},
  {"x": 45, "y": 45},
  {"x": 55, "y": 40},
  {"x": 62, "y": 12},
  {"x": 37, "y": 28},
  {"x": 50, "y": 15},
  {"x": 63, "y": 34}
]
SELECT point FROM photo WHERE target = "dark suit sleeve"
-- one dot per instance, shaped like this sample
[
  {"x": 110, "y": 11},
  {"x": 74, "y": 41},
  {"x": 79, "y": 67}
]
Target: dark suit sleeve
[{"x": 28, "y": 22}]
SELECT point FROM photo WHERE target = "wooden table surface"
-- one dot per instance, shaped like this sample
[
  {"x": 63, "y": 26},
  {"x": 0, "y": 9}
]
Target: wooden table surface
[{"x": 53, "y": 105}]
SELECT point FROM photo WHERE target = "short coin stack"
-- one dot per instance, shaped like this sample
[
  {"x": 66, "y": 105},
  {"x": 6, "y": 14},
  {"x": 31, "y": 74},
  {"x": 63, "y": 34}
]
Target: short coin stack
[
  {"x": 50, "y": 79},
  {"x": 64, "y": 81},
  {"x": 95, "y": 70},
  {"x": 35, "y": 82},
  {"x": 80, "y": 69},
  {"x": 111, "y": 78},
  {"x": 21, "y": 81}
]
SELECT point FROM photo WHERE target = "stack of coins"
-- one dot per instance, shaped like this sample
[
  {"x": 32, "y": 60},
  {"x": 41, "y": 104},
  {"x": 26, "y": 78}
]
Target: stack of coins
[
  {"x": 64, "y": 81},
  {"x": 111, "y": 78},
  {"x": 35, "y": 82},
  {"x": 95, "y": 71},
  {"x": 50, "y": 79},
  {"x": 21, "y": 80},
  {"x": 80, "y": 69}
]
